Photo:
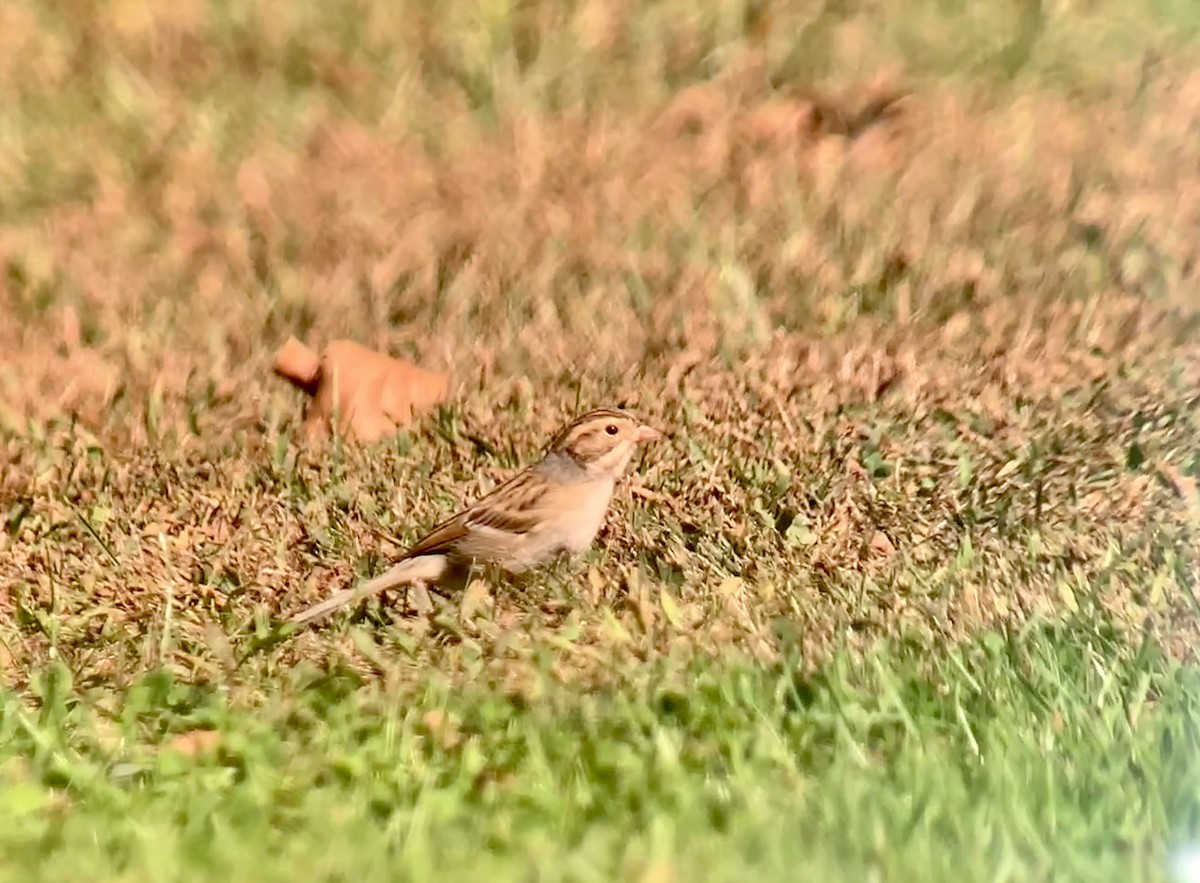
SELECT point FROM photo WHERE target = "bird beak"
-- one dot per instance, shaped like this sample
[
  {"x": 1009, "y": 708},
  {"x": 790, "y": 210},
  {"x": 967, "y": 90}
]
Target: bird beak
[{"x": 647, "y": 433}]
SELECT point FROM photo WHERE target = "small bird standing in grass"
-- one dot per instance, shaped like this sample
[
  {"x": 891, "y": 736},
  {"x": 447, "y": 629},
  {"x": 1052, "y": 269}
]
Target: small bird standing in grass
[{"x": 556, "y": 505}]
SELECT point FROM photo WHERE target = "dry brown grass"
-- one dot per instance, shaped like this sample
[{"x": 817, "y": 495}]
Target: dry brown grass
[{"x": 925, "y": 368}]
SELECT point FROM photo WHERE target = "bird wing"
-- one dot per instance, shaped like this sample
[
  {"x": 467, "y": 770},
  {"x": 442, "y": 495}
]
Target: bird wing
[
  {"x": 441, "y": 539},
  {"x": 519, "y": 513}
]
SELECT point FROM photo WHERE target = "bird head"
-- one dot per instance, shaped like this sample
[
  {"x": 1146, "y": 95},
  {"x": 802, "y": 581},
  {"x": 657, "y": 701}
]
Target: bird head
[{"x": 603, "y": 441}]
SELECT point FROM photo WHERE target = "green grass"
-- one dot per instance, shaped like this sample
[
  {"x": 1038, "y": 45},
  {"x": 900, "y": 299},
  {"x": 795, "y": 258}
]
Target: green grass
[{"x": 1055, "y": 753}]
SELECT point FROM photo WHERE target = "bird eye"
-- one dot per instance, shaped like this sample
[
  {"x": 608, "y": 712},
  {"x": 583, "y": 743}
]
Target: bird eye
[{"x": 611, "y": 429}]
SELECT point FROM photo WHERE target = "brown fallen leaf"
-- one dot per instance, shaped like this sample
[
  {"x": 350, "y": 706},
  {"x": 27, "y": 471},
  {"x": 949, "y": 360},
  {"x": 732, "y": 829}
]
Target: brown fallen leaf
[
  {"x": 441, "y": 727},
  {"x": 194, "y": 742},
  {"x": 881, "y": 545},
  {"x": 644, "y": 493},
  {"x": 372, "y": 394},
  {"x": 1183, "y": 485}
]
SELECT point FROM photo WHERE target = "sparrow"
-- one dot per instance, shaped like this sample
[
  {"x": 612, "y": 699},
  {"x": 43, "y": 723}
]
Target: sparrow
[{"x": 553, "y": 506}]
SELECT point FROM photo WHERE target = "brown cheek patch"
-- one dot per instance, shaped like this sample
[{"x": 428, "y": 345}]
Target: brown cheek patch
[{"x": 591, "y": 444}]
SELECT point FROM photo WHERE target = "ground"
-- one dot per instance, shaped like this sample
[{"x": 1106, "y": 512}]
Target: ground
[{"x": 907, "y": 591}]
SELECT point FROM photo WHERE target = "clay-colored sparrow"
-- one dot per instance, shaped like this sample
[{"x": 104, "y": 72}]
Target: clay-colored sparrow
[{"x": 556, "y": 505}]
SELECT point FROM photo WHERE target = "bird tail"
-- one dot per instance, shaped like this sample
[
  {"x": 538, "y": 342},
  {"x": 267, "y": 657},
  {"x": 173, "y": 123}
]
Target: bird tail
[{"x": 424, "y": 568}]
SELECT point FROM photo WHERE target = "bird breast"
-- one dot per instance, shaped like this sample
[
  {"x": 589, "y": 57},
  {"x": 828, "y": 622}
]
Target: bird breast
[{"x": 583, "y": 522}]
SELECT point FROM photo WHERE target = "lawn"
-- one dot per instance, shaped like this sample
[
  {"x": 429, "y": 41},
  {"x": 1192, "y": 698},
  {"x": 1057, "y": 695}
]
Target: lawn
[
  {"x": 908, "y": 591},
  {"x": 1047, "y": 753}
]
